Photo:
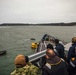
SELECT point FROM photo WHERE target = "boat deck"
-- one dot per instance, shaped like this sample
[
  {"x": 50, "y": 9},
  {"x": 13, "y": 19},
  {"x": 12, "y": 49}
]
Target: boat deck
[{"x": 67, "y": 46}]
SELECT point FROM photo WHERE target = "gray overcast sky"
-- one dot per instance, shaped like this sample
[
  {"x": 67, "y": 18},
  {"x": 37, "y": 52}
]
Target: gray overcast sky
[{"x": 37, "y": 11}]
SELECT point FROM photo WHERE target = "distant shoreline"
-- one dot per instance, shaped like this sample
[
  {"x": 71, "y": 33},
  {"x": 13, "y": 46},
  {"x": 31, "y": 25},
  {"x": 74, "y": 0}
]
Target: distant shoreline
[{"x": 41, "y": 24}]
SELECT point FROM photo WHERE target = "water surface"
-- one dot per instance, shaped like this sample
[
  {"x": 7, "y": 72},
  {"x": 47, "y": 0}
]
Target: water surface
[{"x": 16, "y": 40}]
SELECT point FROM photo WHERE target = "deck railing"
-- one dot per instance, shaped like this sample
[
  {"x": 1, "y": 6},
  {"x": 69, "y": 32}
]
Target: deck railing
[{"x": 39, "y": 55}]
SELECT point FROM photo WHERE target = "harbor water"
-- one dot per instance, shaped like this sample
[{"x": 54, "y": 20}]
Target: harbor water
[{"x": 16, "y": 40}]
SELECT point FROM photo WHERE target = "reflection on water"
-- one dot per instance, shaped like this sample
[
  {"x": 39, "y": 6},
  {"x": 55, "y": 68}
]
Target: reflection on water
[{"x": 16, "y": 40}]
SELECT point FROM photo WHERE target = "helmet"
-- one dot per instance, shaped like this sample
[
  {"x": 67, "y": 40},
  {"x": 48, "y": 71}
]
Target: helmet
[
  {"x": 20, "y": 60},
  {"x": 74, "y": 40}
]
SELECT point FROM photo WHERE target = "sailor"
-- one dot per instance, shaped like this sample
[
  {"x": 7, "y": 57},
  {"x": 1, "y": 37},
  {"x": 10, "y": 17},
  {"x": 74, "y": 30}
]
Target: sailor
[
  {"x": 60, "y": 48},
  {"x": 54, "y": 65},
  {"x": 42, "y": 61},
  {"x": 72, "y": 65},
  {"x": 50, "y": 46},
  {"x": 72, "y": 49},
  {"x": 23, "y": 67},
  {"x": 43, "y": 38}
]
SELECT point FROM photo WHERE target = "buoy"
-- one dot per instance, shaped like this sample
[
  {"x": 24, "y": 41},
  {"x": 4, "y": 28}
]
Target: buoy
[{"x": 34, "y": 45}]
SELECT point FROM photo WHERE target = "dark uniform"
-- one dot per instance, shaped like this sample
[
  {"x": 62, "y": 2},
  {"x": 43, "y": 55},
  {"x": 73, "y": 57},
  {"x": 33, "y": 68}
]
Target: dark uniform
[
  {"x": 72, "y": 66},
  {"x": 55, "y": 66},
  {"x": 72, "y": 49},
  {"x": 60, "y": 49}
]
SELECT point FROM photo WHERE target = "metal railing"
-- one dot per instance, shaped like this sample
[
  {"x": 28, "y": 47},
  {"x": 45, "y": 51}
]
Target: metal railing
[
  {"x": 39, "y": 55},
  {"x": 36, "y": 56}
]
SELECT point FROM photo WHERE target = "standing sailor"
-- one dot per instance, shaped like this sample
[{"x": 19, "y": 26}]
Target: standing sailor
[
  {"x": 72, "y": 65},
  {"x": 24, "y": 67},
  {"x": 72, "y": 49},
  {"x": 60, "y": 48},
  {"x": 54, "y": 65}
]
